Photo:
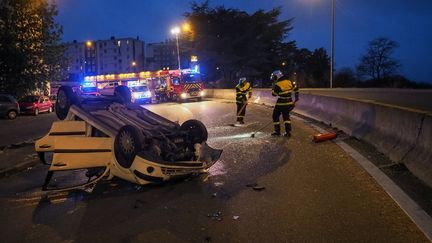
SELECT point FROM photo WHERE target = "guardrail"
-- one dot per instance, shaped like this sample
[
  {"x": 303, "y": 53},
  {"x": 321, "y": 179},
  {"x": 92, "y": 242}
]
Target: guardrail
[{"x": 403, "y": 134}]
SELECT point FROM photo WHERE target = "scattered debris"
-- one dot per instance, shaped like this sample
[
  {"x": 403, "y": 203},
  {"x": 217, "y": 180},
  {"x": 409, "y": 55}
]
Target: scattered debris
[
  {"x": 90, "y": 188},
  {"x": 215, "y": 216},
  {"x": 252, "y": 184},
  {"x": 258, "y": 188},
  {"x": 218, "y": 183},
  {"x": 137, "y": 188},
  {"x": 235, "y": 217}
]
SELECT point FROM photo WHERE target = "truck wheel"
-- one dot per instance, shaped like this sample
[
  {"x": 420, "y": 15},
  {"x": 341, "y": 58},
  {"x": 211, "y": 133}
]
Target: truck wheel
[
  {"x": 65, "y": 98},
  {"x": 127, "y": 144},
  {"x": 197, "y": 132},
  {"x": 123, "y": 94}
]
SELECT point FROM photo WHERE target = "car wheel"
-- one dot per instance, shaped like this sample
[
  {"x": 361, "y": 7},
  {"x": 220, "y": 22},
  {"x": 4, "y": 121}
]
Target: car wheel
[
  {"x": 12, "y": 115},
  {"x": 127, "y": 144},
  {"x": 36, "y": 112},
  {"x": 123, "y": 94},
  {"x": 65, "y": 98},
  {"x": 197, "y": 132}
]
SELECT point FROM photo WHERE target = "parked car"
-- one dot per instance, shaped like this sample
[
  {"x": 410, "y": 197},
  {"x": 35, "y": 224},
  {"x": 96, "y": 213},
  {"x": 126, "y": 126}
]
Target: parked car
[
  {"x": 9, "y": 106},
  {"x": 35, "y": 104}
]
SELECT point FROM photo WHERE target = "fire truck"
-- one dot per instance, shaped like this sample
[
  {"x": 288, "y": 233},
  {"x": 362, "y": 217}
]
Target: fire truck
[
  {"x": 167, "y": 85},
  {"x": 179, "y": 85}
]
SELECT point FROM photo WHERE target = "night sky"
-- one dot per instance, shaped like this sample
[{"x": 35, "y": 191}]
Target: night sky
[{"x": 356, "y": 23}]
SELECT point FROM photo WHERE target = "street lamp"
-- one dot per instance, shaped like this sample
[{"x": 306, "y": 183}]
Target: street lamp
[
  {"x": 176, "y": 31},
  {"x": 332, "y": 46}
]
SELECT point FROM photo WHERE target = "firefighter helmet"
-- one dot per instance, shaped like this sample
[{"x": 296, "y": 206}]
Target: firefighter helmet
[
  {"x": 276, "y": 75},
  {"x": 242, "y": 80}
]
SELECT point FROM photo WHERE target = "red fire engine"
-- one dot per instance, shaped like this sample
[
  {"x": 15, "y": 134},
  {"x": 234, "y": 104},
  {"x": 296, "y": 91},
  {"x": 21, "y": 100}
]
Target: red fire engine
[{"x": 178, "y": 85}]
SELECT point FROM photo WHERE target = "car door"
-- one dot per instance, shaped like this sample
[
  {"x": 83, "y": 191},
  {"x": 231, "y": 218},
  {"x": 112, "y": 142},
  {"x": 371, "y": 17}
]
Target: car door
[
  {"x": 40, "y": 104},
  {"x": 78, "y": 161},
  {"x": 47, "y": 103},
  {"x": 4, "y": 102}
]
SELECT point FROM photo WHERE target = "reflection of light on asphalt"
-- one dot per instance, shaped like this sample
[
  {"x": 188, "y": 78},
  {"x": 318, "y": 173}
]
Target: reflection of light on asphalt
[
  {"x": 257, "y": 100},
  {"x": 217, "y": 169},
  {"x": 236, "y": 137},
  {"x": 34, "y": 198}
]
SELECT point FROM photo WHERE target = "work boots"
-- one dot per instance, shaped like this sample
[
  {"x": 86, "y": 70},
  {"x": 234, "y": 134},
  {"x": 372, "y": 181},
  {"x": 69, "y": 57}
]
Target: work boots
[{"x": 276, "y": 130}]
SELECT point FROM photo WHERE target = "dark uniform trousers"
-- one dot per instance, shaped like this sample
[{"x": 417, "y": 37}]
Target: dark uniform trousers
[
  {"x": 241, "y": 110},
  {"x": 283, "y": 110}
]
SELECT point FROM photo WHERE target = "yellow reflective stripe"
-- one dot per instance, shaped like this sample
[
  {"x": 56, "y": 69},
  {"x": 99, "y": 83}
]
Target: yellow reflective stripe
[
  {"x": 276, "y": 123},
  {"x": 240, "y": 116},
  {"x": 285, "y": 92},
  {"x": 287, "y": 122},
  {"x": 289, "y": 103},
  {"x": 274, "y": 93}
]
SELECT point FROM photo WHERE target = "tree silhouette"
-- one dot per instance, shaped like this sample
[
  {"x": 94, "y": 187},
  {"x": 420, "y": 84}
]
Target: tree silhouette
[{"x": 377, "y": 63}]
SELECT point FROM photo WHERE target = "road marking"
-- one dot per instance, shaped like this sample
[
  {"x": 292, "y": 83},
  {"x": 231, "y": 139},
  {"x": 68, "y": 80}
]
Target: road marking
[{"x": 409, "y": 206}]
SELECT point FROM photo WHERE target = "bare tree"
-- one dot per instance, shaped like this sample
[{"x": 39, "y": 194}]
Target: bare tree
[{"x": 377, "y": 63}]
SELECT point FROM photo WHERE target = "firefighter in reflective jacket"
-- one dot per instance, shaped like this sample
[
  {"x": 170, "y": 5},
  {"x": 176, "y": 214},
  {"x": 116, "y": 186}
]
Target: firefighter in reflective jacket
[
  {"x": 243, "y": 92},
  {"x": 287, "y": 92}
]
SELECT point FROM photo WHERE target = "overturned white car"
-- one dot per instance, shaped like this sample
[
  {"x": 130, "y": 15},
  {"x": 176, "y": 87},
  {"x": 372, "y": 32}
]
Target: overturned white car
[{"x": 109, "y": 136}]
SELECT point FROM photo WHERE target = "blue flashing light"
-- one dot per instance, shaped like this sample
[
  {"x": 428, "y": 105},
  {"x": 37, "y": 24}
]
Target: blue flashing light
[{"x": 88, "y": 84}]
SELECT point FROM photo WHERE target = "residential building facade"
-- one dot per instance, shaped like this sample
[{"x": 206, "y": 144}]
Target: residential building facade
[{"x": 113, "y": 56}]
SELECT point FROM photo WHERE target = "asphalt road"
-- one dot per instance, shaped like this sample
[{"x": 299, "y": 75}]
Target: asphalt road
[
  {"x": 25, "y": 127},
  {"x": 408, "y": 98},
  {"x": 313, "y": 193}
]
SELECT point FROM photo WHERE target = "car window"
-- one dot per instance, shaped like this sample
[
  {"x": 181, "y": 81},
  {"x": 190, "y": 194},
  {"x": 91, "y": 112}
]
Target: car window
[
  {"x": 41, "y": 100},
  {"x": 46, "y": 99},
  {"x": 139, "y": 88},
  {"x": 4, "y": 99},
  {"x": 29, "y": 98}
]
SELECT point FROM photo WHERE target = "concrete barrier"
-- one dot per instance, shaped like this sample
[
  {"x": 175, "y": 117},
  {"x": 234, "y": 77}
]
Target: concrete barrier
[{"x": 404, "y": 135}]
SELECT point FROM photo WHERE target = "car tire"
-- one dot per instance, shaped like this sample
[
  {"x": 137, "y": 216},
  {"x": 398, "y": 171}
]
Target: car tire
[
  {"x": 197, "y": 132},
  {"x": 11, "y": 115},
  {"x": 127, "y": 144},
  {"x": 123, "y": 94},
  {"x": 65, "y": 98},
  {"x": 36, "y": 112}
]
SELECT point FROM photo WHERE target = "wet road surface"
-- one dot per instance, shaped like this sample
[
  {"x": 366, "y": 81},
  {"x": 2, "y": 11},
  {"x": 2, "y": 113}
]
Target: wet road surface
[{"x": 310, "y": 192}]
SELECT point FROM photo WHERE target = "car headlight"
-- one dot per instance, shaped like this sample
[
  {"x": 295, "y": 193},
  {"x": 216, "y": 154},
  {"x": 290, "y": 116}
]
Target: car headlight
[
  {"x": 147, "y": 94},
  {"x": 136, "y": 95},
  {"x": 202, "y": 93},
  {"x": 183, "y": 95}
]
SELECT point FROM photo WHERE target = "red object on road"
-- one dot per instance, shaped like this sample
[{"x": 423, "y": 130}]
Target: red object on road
[
  {"x": 35, "y": 104},
  {"x": 324, "y": 137}
]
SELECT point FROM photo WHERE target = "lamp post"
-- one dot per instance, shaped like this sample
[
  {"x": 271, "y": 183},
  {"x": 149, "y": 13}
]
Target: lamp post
[
  {"x": 332, "y": 46},
  {"x": 176, "y": 31}
]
